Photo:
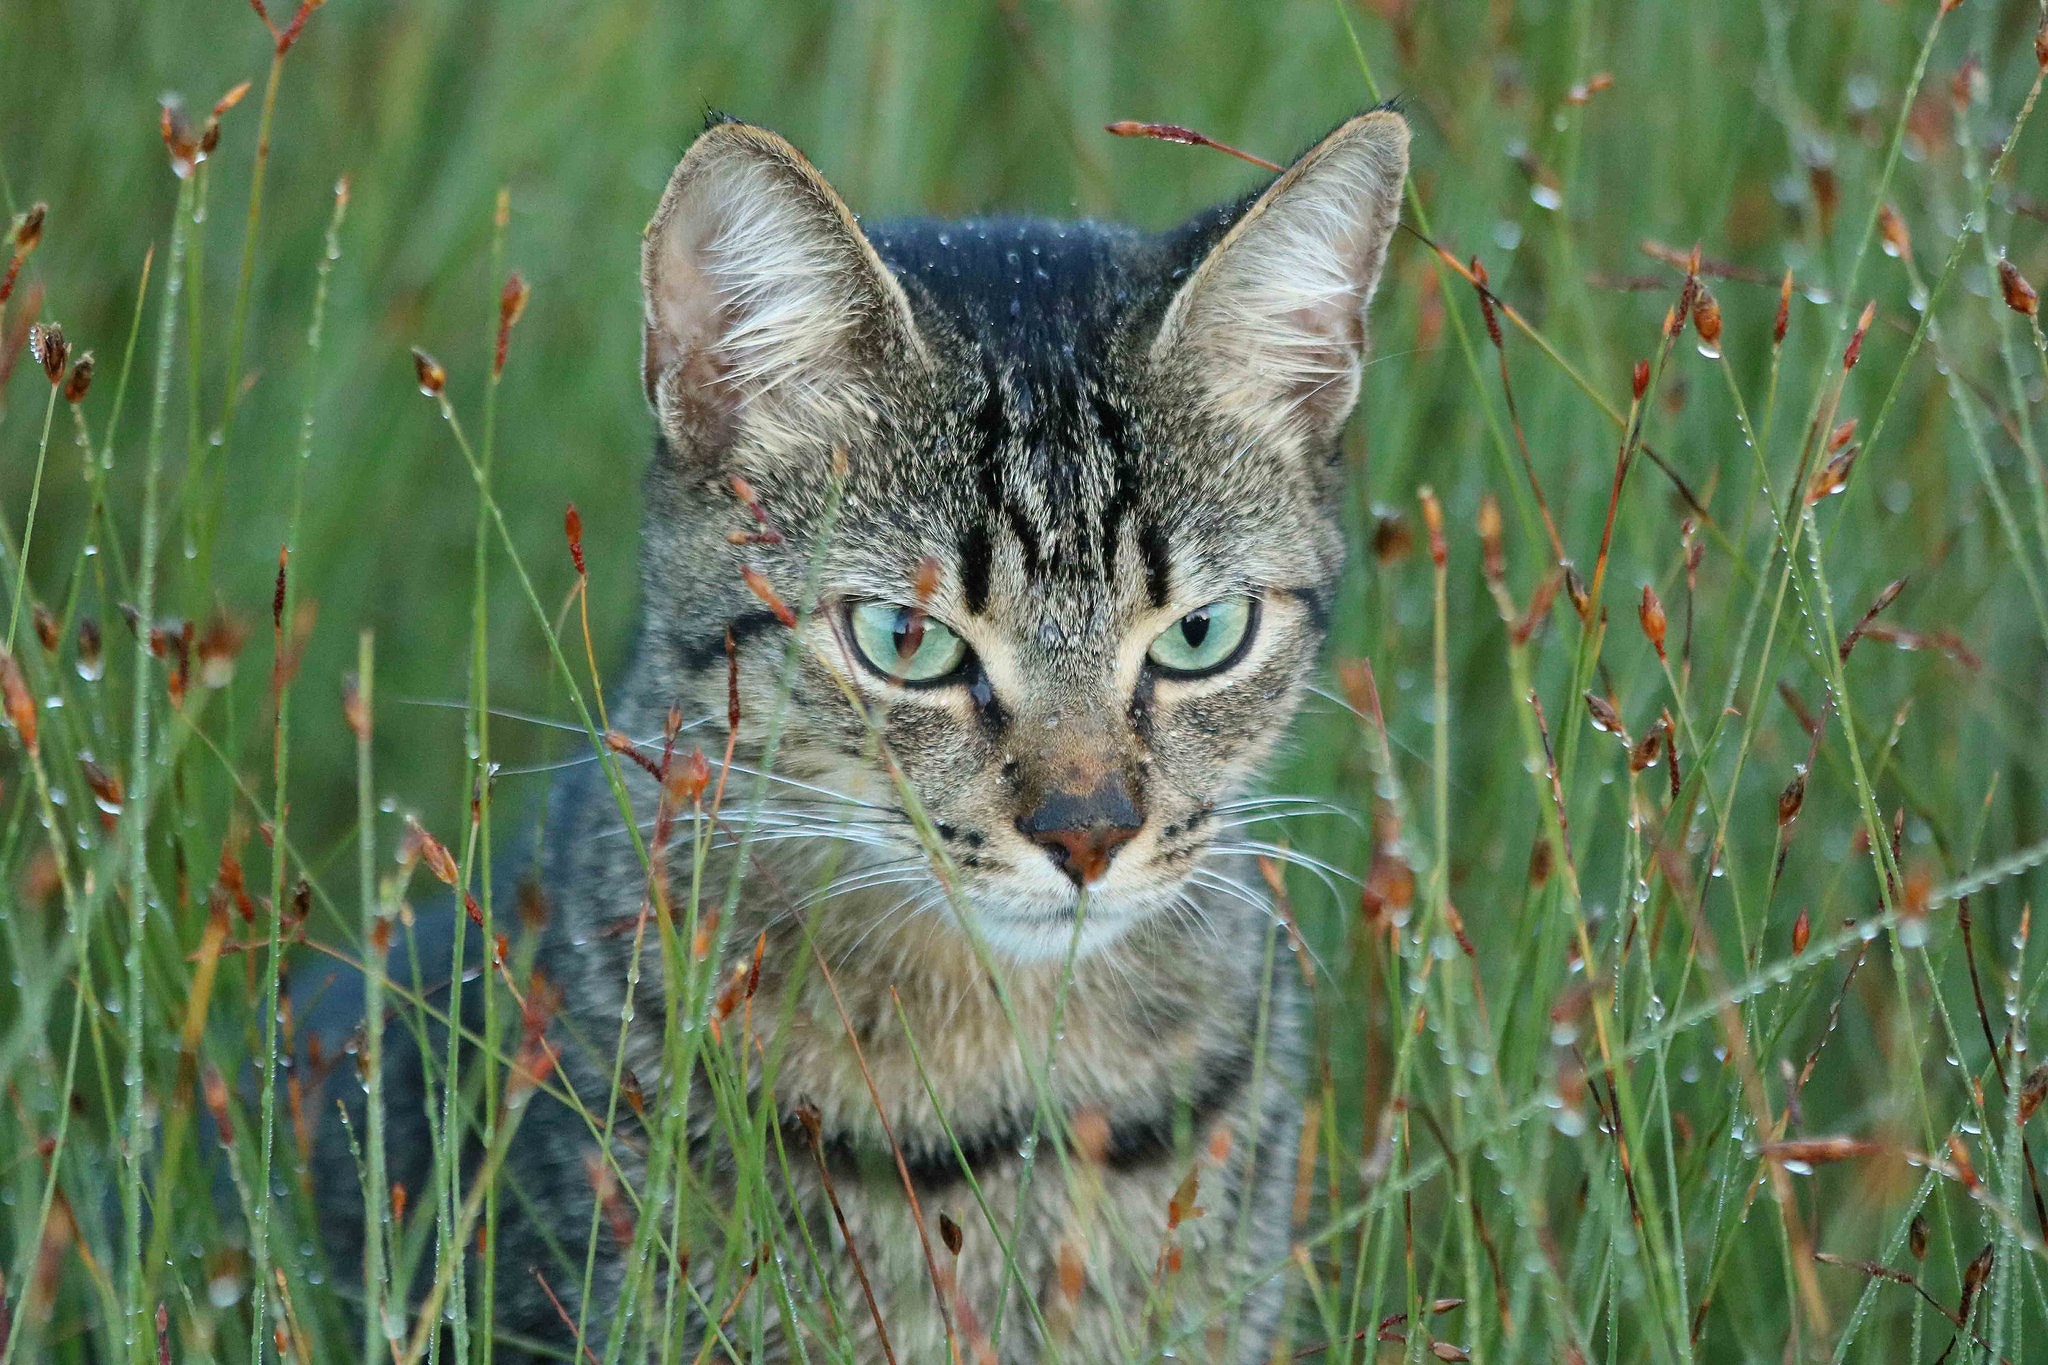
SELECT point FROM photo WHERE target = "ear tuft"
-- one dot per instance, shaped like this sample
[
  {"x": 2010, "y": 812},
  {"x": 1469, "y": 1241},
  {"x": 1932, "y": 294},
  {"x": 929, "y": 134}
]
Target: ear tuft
[
  {"x": 1272, "y": 323},
  {"x": 766, "y": 307}
]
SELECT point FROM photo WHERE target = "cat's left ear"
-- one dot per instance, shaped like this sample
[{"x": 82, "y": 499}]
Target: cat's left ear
[{"x": 1272, "y": 322}]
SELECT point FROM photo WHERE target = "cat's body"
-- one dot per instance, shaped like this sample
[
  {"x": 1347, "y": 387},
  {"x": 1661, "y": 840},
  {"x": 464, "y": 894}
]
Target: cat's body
[{"x": 1095, "y": 471}]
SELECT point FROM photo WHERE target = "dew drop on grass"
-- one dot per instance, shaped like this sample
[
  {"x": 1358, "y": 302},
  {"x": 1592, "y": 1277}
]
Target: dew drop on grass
[
  {"x": 1546, "y": 196},
  {"x": 1569, "y": 1122},
  {"x": 1711, "y": 350},
  {"x": 1913, "y": 931}
]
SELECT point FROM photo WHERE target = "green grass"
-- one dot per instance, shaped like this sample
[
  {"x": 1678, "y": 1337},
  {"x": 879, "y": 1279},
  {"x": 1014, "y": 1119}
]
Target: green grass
[{"x": 1561, "y": 1026}]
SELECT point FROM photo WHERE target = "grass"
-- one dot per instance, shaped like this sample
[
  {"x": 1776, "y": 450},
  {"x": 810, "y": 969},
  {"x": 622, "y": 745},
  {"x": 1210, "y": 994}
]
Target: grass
[{"x": 1671, "y": 988}]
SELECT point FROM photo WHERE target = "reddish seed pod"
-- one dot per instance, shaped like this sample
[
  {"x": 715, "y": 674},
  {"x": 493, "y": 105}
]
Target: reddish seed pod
[
  {"x": 949, "y": 1232},
  {"x": 1802, "y": 932},
  {"x": 1493, "y": 556},
  {"x": 1854, "y": 350},
  {"x": 48, "y": 632},
  {"x": 2033, "y": 1090},
  {"x": 1892, "y": 230},
  {"x": 763, "y": 589},
  {"x": 2041, "y": 44},
  {"x": 511, "y": 303},
  {"x": 1791, "y": 799},
  {"x": 1650, "y": 612},
  {"x": 572, "y": 527},
  {"x": 47, "y": 347},
  {"x": 2019, "y": 295},
  {"x": 28, "y": 229},
  {"x": 21, "y": 707},
  {"x": 1706, "y": 319},
  {"x": 1433, "y": 519},
  {"x": 433, "y": 378},
  {"x": 1640, "y": 382},
  {"x": 435, "y": 854},
  {"x": 80, "y": 381},
  {"x": 1784, "y": 310},
  {"x": 1832, "y": 477}
]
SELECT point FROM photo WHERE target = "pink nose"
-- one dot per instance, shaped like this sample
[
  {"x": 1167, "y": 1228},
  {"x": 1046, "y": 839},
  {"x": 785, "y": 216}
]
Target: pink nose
[
  {"x": 1081, "y": 831},
  {"x": 1084, "y": 854}
]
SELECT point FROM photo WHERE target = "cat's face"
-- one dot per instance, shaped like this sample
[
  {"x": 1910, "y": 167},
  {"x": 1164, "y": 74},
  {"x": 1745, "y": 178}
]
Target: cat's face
[{"x": 1060, "y": 501}]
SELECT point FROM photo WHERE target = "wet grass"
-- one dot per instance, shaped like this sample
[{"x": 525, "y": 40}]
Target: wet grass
[{"x": 1672, "y": 977}]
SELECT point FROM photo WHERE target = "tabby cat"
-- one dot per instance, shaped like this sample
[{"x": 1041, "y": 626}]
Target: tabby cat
[{"x": 1054, "y": 508}]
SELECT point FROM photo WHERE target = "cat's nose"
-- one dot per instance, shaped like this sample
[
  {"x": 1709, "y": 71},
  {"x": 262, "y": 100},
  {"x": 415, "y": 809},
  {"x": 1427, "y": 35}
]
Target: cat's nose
[{"x": 1081, "y": 831}]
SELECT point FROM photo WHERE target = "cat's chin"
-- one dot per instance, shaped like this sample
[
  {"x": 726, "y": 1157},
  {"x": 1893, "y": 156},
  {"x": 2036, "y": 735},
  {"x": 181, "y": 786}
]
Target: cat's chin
[
  {"x": 1051, "y": 923},
  {"x": 1051, "y": 935}
]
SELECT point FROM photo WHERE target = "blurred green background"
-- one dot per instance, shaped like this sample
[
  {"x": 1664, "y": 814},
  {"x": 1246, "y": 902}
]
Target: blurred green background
[{"x": 1553, "y": 141}]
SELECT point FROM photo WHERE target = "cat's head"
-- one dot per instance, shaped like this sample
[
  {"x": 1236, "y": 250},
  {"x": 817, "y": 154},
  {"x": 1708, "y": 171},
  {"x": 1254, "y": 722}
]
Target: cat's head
[{"x": 1059, "y": 502}]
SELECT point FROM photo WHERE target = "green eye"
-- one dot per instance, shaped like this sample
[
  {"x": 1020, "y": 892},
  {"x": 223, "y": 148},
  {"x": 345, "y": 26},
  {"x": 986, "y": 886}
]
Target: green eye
[
  {"x": 903, "y": 643},
  {"x": 1206, "y": 640}
]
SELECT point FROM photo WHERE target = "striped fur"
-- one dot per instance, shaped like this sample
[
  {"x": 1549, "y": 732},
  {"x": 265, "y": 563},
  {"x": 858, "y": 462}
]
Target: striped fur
[{"x": 1060, "y": 438}]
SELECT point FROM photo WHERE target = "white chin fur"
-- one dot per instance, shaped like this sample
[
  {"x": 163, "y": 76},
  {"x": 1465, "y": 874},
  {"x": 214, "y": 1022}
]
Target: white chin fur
[{"x": 1050, "y": 935}]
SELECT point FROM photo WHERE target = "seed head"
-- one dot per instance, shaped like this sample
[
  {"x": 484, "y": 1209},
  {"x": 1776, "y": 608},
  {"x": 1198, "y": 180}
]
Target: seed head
[
  {"x": 353, "y": 710},
  {"x": 216, "y": 1091},
  {"x": 1855, "y": 348},
  {"x": 511, "y": 303},
  {"x": 47, "y": 346},
  {"x": 28, "y": 229},
  {"x": 1651, "y": 613},
  {"x": 1802, "y": 932},
  {"x": 2033, "y": 1090},
  {"x": 1898, "y": 242},
  {"x": 433, "y": 378},
  {"x": 1791, "y": 799},
  {"x": 1433, "y": 520},
  {"x": 1784, "y": 310},
  {"x": 433, "y": 852},
  {"x": 1706, "y": 319},
  {"x": 1494, "y": 557},
  {"x": 2019, "y": 295},
  {"x": 1832, "y": 477},
  {"x": 572, "y": 527},
  {"x": 80, "y": 381},
  {"x": 21, "y": 707},
  {"x": 1640, "y": 381},
  {"x": 47, "y": 629}
]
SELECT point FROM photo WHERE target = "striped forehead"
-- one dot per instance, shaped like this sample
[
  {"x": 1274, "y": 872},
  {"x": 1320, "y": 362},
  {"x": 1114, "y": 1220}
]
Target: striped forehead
[{"x": 1049, "y": 455}]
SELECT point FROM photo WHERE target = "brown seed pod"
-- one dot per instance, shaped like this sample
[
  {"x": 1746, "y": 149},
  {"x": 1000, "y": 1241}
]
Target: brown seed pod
[
  {"x": 80, "y": 381},
  {"x": 2019, "y": 295},
  {"x": 1650, "y": 612},
  {"x": 1706, "y": 320},
  {"x": 433, "y": 378}
]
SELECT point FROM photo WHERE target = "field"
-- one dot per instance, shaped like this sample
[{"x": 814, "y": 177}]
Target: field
[{"x": 1683, "y": 729}]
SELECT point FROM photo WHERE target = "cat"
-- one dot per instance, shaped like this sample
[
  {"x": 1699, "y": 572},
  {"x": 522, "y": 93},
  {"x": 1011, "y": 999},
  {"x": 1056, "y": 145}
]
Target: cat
[{"x": 1012, "y": 544}]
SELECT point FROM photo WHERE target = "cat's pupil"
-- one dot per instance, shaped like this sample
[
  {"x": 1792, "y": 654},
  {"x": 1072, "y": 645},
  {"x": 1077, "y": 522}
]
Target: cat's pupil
[
  {"x": 1194, "y": 627},
  {"x": 908, "y": 633}
]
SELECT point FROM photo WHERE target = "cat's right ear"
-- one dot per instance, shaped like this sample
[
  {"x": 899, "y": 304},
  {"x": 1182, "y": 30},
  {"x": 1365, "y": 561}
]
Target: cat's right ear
[{"x": 767, "y": 310}]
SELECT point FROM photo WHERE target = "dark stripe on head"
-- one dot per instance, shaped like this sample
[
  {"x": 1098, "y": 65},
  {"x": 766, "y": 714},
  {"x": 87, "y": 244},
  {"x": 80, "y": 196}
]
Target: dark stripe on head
[
  {"x": 974, "y": 553},
  {"x": 1115, "y": 434},
  {"x": 694, "y": 656},
  {"x": 1314, "y": 601},
  {"x": 1158, "y": 567}
]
